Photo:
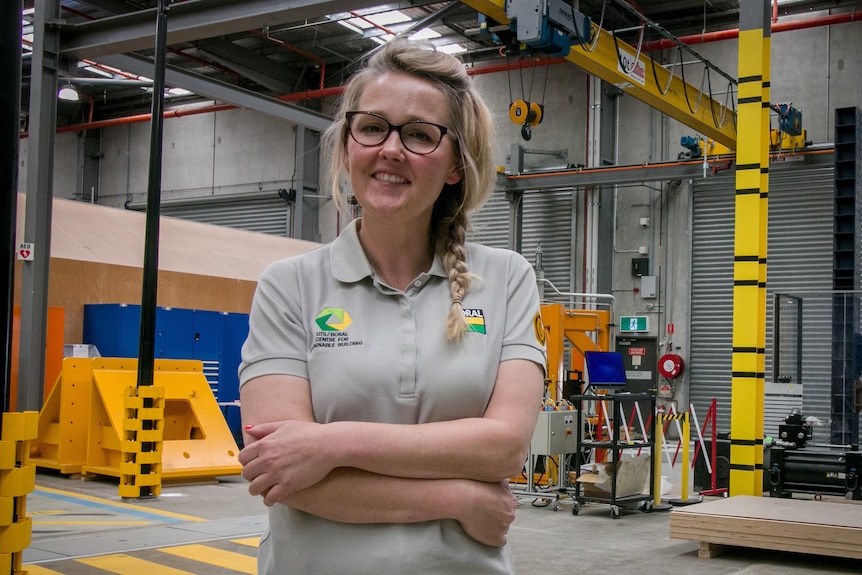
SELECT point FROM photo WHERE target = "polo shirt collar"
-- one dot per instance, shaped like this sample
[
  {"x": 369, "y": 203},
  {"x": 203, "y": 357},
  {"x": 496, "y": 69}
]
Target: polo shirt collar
[{"x": 349, "y": 262}]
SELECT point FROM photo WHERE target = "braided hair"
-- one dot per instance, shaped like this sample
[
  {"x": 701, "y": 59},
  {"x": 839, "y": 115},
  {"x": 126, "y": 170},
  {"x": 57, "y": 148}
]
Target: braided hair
[{"x": 472, "y": 127}]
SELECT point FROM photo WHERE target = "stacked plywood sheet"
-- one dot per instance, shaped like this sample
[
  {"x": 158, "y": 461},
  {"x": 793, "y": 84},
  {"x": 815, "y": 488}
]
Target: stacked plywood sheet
[
  {"x": 97, "y": 256},
  {"x": 831, "y": 528}
]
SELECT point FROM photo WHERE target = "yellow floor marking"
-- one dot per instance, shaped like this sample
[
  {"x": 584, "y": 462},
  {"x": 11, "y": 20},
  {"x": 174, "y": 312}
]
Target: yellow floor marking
[
  {"x": 250, "y": 541},
  {"x": 39, "y": 570},
  {"x": 128, "y": 565},
  {"x": 215, "y": 556},
  {"x": 117, "y": 504},
  {"x": 36, "y": 523}
]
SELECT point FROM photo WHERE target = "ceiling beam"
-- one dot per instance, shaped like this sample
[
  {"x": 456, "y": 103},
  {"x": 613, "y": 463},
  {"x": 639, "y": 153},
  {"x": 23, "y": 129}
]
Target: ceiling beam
[
  {"x": 221, "y": 91},
  {"x": 191, "y": 21},
  {"x": 260, "y": 69}
]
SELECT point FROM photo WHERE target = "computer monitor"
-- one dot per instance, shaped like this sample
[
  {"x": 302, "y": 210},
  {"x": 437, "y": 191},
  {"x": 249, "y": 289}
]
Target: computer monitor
[{"x": 605, "y": 369}]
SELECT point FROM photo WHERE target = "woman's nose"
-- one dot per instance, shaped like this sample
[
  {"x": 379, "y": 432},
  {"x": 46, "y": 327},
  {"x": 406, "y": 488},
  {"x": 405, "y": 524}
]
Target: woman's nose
[{"x": 392, "y": 144}]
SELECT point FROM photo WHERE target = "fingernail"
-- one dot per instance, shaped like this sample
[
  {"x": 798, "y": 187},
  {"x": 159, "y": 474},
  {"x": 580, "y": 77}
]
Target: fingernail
[{"x": 247, "y": 426}]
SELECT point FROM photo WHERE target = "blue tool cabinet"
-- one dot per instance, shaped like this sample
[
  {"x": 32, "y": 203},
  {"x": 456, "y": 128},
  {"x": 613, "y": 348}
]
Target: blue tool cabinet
[{"x": 213, "y": 337}]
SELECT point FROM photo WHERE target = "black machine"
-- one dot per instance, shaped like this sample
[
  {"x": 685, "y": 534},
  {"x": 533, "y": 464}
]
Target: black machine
[
  {"x": 819, "y": 470},
  {"x": 795, "y": 430},
  {"x": 792, "y": 465}
]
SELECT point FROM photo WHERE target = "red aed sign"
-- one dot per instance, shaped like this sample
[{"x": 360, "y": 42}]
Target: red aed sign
[{"x": 637, "y": 351}]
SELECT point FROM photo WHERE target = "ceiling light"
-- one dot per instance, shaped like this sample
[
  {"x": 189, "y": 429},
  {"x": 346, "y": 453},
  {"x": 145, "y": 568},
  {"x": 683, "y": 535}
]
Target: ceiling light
[
  {"x": 387, "y": 18},
  {"x": 452, "y": 49},
  {"x": 425, "y": 34},
  {"x": 178, "y": 92},
  {"x": 68, "y": 92},
  {"x": 350, "y": 26}
]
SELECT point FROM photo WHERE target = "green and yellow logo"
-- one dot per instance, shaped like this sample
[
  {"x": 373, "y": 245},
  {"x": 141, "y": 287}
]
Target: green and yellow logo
[
  {"x": 333, "y": 319},
  {"x": 475, "y": 319}
]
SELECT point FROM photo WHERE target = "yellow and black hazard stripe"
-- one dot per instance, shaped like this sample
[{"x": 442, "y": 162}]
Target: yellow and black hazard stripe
[{"x": 749, "y": 265}]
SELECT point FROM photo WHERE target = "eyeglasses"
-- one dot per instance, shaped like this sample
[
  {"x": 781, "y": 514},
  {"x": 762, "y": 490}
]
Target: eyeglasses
[{"x": 369, "y": 129}]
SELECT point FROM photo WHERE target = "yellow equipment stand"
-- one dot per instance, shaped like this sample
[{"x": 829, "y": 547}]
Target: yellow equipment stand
[
  {"x": 143, "y": 435},
  {"x": 82, "y": 429},
  {"x": 17, "y": 479}
]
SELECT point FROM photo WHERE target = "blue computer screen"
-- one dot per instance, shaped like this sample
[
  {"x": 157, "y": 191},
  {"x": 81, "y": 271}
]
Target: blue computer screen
[{"x": 605, "y": 369}]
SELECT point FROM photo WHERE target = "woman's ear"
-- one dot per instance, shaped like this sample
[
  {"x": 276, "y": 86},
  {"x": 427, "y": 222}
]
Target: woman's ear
[{"x": 454, "y": 176}]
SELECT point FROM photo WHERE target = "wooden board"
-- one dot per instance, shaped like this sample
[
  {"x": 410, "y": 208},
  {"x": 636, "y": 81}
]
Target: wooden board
[
  {"x": 804, "y": 526},
  {"x": 97, "y": 257}
]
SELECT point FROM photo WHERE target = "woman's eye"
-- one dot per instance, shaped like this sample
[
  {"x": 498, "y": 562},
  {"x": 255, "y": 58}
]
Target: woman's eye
[
  {"x": 373, "y": 128},
  {"x": 418, "y": 134}
]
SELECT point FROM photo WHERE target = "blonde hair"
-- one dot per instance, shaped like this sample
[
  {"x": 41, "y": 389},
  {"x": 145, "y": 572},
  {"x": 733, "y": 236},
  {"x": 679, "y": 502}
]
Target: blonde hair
[{"x": 470, "y": 124}]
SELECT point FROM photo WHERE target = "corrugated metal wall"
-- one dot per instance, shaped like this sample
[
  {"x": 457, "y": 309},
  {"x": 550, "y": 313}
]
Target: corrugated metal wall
[
  {"x": 268, "y": 214},
  {"x": 548, "y": 217},
  {"x": 799, "y": 261}
]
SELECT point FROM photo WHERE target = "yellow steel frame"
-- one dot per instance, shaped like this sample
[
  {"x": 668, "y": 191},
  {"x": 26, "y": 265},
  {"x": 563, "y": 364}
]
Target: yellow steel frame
[
  {"x": 83, "y": 424},
  {"x": 585, "y": 329},
  {"x": 603, "y": 62}
]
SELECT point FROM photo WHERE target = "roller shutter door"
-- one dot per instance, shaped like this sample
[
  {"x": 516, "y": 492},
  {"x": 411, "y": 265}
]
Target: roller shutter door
[
  {"x": 260, "y": 212},
  {"x": 799, "y": 261},
  {"x": 548, "y": 217}
]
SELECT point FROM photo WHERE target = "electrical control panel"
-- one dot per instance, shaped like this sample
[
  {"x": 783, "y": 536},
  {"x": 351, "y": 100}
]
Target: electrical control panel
[{"x": 555, "y": 433}]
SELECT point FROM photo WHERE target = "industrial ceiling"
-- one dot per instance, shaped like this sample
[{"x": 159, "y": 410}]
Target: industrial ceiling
[{"x": 244, "y": 51}]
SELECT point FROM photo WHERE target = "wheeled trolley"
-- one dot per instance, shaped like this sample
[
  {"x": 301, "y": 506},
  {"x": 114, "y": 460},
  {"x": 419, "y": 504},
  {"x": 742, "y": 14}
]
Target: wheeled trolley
[{"x": 603, "y": 429}]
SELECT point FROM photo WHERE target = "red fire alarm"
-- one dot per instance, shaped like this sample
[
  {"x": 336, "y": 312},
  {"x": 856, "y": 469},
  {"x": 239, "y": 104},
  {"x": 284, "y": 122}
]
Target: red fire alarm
[{"x": 671, "y": 365}]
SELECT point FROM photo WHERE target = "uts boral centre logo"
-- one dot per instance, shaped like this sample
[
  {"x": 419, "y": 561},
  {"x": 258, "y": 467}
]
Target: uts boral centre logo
[{"x": 333, "y": 323}]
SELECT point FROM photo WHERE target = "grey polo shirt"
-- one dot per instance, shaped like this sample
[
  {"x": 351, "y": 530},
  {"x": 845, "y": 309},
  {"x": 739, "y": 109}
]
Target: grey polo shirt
[{"x": 374, "y": 353}]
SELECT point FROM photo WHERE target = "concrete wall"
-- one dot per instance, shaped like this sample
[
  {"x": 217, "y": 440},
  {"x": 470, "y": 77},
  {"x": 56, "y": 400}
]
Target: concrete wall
[{"x": 211, "y": 154}]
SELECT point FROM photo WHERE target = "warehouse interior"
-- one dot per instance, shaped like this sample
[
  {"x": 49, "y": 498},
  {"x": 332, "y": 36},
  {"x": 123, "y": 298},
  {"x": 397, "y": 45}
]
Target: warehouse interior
[{"x": 684, "y": 177}]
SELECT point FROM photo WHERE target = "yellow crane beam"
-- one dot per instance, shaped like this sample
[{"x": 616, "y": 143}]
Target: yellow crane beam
[{"x": 643, "y": 79}]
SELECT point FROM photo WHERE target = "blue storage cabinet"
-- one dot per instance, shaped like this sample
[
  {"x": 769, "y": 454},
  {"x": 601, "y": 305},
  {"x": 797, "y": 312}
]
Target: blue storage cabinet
[
  {"x": 215, "y": 338},
  {"x": 113, "y": 329},
  {"x": 234, "y": 334}
]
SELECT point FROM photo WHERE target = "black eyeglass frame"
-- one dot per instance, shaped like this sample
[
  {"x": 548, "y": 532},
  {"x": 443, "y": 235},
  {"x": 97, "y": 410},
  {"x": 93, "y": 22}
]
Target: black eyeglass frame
[{"x": 350, "y": 115}]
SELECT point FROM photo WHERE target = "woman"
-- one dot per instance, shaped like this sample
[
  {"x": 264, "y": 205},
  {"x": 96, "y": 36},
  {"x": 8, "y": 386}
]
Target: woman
[{"x": 392, "y": 379}]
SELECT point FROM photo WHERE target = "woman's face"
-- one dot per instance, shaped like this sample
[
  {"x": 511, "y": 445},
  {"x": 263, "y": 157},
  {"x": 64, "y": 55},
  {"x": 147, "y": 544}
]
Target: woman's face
[{"x": 388, "y": 179}]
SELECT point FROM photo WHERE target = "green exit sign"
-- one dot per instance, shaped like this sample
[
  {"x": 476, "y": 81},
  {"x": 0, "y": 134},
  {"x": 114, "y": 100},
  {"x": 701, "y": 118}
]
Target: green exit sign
[{"x": 634, "y": 323}]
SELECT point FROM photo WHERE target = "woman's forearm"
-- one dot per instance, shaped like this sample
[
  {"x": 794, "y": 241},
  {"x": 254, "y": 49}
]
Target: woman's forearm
[
  {"x": 354, "y": 496},
  {"x": 347, "y": 495}
]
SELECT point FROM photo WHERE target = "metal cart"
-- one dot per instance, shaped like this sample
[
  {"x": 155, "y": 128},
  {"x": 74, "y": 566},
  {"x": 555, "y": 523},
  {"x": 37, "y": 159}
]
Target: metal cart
[{"x": 612, "y": 408}]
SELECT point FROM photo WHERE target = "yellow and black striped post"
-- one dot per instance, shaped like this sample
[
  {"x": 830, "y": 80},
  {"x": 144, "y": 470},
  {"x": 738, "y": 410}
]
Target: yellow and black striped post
[
  {"x": 141, "y": 448},
  {"x": 749, "y": 269},
  {"x": 685, "y": 440},
  {"x": 17, "y": 479}
]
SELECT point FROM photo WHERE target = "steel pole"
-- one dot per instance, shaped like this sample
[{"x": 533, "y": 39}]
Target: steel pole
[
  {"x": 149, "y": 291},
  {"x": 10, "y": 105}
]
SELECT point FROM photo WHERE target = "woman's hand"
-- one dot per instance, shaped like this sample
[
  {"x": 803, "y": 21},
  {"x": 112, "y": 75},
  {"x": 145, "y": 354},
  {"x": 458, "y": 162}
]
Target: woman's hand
[
  {"x": 488, "y": 512},
  {"x": 285, "y": 457}
]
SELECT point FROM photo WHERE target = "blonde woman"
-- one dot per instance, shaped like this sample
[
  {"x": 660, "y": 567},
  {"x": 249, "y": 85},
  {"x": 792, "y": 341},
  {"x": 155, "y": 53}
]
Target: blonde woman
[{"x": 391, "y": 380}]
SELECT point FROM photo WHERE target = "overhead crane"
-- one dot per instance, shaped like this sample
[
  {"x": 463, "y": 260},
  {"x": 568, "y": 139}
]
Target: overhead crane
[{"x": 551, "y": 24}]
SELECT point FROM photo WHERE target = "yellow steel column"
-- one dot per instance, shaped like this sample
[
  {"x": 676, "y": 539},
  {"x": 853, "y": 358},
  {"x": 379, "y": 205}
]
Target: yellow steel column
[{"x": 749, "y": 270}]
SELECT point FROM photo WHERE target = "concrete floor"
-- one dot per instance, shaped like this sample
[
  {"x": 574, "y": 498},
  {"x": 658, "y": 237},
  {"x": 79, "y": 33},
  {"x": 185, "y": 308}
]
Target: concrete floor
[{"x": 75, "y": 519}]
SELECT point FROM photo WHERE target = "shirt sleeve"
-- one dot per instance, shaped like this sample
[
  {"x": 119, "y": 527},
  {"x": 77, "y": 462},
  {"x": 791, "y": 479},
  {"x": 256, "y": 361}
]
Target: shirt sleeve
[
  {"x": 277, "y": 337},
  {"x": 524, "y": 334}
]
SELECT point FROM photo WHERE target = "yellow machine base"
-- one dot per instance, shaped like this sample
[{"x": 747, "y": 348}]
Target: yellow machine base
[{"x": 81, "y": 423}]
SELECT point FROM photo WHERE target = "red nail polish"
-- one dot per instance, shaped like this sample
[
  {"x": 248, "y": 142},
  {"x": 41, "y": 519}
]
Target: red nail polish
[{"x": 247, "y": 426}]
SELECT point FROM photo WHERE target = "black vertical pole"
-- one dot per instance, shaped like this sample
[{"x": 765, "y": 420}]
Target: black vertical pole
[
  {"x": 10, "y": 107},
  {"x": 146, "y": 345},
  {"x": 147, "y": 341}
]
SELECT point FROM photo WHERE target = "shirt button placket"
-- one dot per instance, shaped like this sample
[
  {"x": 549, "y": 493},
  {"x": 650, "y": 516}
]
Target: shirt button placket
[{"x": 408, "y": 345}]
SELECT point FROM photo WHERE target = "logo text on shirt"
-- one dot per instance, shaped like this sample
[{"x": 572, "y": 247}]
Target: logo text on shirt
[
  {"x": 333, "y": 323},
  {"x": 475, "y": 319}
]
